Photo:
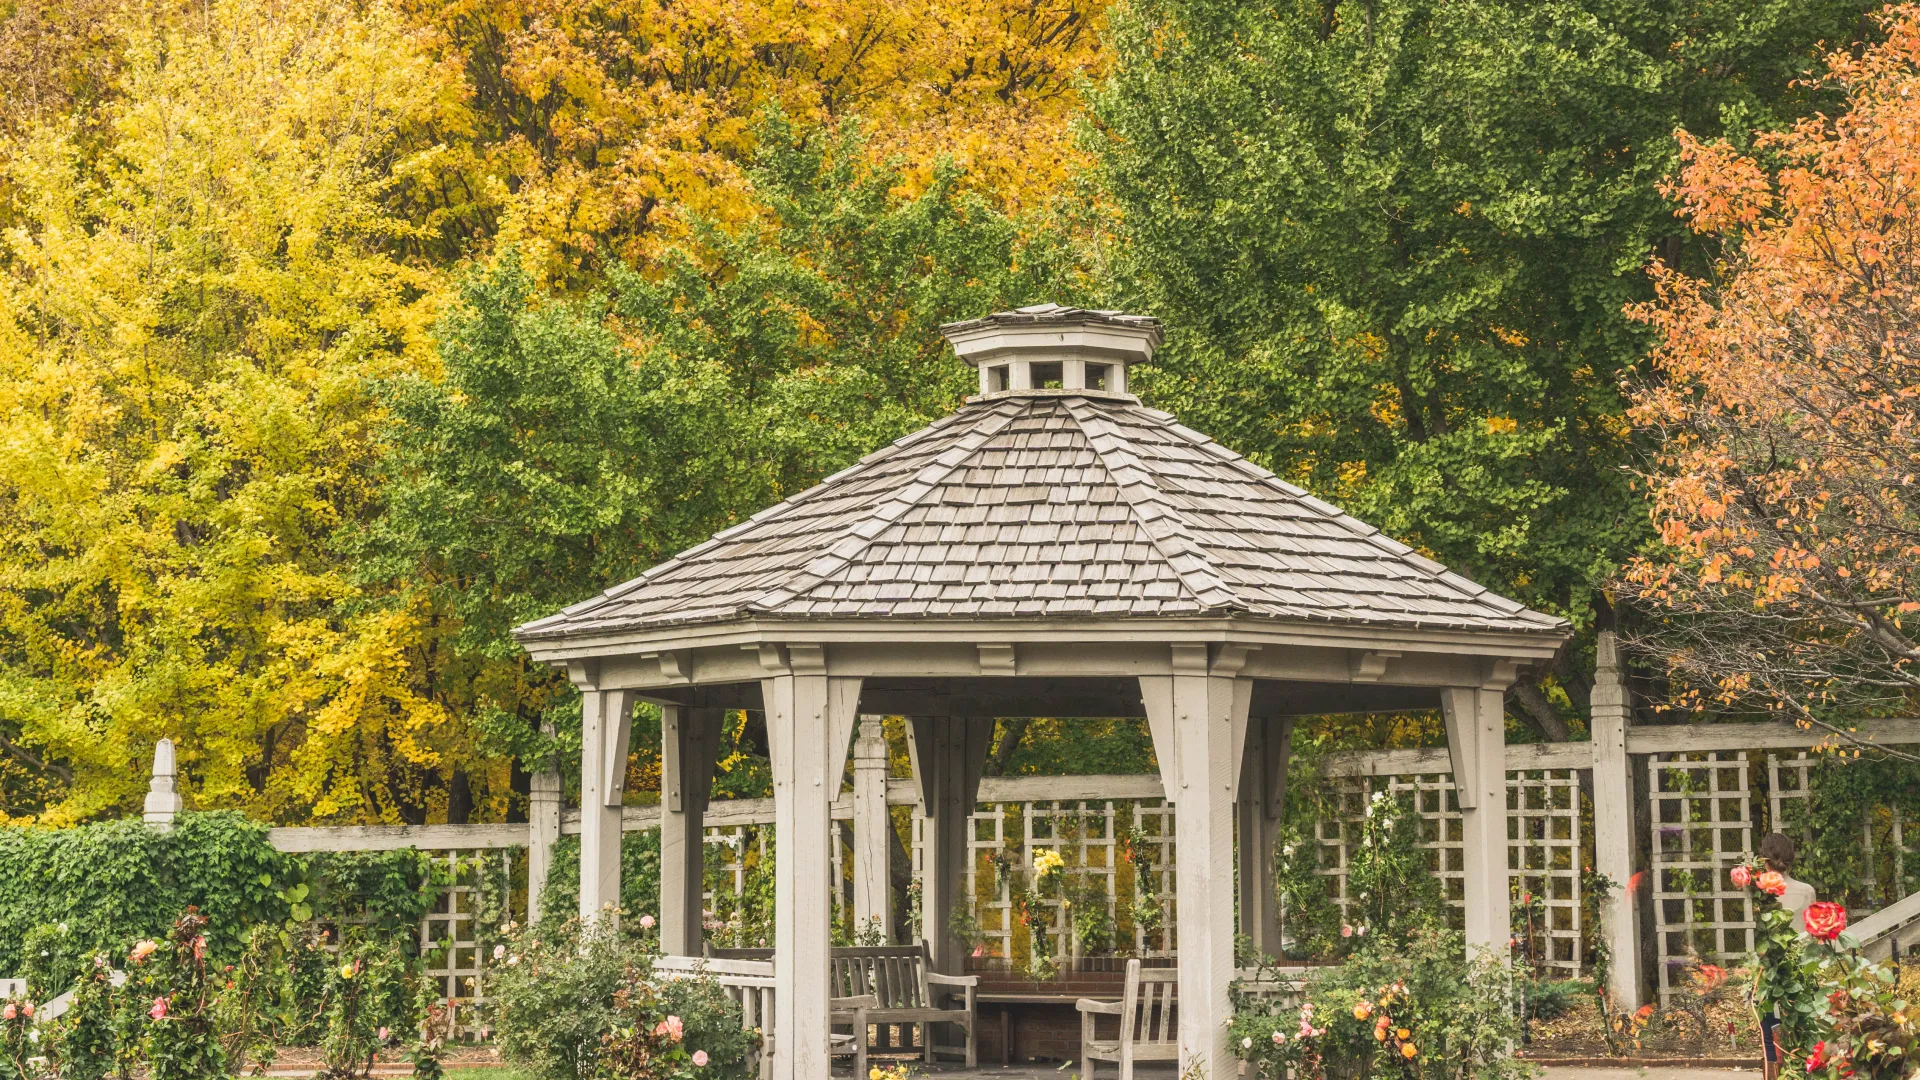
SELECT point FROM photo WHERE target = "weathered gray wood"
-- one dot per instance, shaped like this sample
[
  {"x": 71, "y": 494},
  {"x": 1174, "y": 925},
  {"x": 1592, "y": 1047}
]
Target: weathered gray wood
[
  {"x": 606, "y": 727},
  {"x": 949, "y": 754},
  {"x": 1198, "y": 718},
  {"x": 544, "y": 795},
  {"x": 1678, "y": 738},
  {"x": 1476, "y": 737},
  {"x": 1262, "y": 795},
  {"x": 872, "y": 884},
  {"x": 690, "y": 741},
  {"x": 398, "y": 837},
  {"x": 1613, "y": 818}
]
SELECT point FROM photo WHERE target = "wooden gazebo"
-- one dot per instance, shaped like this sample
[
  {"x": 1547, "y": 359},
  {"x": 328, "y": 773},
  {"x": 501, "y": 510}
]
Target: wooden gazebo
[{"x": 1053, "y": 548}]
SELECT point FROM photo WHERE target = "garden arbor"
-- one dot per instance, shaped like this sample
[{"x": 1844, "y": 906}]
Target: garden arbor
[{"x": 1056, "y": 549}]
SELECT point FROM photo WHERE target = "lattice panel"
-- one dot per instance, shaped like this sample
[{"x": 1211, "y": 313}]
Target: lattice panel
[
  {"x": 1083, "y": 834},
  {"x": 1701, "y": 828},
  {"x": 455, "y": 960},
  {"x": 1543, "y": 854},
  {"x": 1544, "y": 857},
  {"x": 1154, "y": 818}
]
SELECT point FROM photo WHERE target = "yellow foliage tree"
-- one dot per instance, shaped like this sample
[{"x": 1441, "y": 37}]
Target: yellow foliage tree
[
  {"x": 190, "y": 307},
  {"x": 593, "y": 119}
]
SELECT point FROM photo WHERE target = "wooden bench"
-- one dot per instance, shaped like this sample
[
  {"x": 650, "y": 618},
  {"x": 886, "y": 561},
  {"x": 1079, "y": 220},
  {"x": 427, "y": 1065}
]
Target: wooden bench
[
  {"x": 1148, "y": 1028},
  {"x": 750, "y": 983},
  {"x": 903, "y": 979}
]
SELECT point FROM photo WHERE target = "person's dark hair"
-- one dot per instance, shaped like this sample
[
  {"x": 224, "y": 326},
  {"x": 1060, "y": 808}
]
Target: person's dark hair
[{"x": 1778, "y": 850}]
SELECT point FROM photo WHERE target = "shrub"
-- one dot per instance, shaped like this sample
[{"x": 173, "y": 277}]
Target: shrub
[
  {"x": 180, "y": 1043},
  {"x": 572, "y": 1005},
  {"x": 1409, "y": 1008}
]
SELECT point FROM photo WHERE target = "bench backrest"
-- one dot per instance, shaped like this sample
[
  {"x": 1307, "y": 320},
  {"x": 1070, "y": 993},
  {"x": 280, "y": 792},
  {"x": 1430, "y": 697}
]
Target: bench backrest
[
  {"x": 1147, "y": 1005},
  {"x": 895, "y": 974}
]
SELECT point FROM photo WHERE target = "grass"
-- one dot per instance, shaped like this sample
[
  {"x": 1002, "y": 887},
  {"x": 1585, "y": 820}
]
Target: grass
[{"x": 488, "y": 1073}]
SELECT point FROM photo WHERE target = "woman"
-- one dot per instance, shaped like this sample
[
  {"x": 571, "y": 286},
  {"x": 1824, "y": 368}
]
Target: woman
[{"x": 1777, "y": 853}]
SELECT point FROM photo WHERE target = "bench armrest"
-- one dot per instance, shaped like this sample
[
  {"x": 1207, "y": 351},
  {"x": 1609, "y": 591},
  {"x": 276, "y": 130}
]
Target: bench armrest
[
  {"x": 1088, "y": 1005},
  {"x": 851, "y": 1004},
  {"x": 934, "y": 978}
]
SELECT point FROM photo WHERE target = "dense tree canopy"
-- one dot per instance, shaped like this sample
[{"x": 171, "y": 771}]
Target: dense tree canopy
[
  {"x": 1395, "y": 238},
  {"x": 1785, "y": 405},
  {"x": 336, "y": 339}
]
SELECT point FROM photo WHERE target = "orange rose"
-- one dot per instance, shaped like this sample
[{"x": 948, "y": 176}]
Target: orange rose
[
  {"x": 1773, "y": 883},
  {"x": 1825, "y": 920}
]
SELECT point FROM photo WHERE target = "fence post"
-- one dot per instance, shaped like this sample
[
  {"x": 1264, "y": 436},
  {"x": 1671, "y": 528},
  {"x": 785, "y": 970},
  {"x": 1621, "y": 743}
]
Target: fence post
[
  {"x": 1613, "y": 822},
  {"x": 872, "y": 904},
  {"x": 543, "y": 831},
  {"x": 163, "y": 791}
]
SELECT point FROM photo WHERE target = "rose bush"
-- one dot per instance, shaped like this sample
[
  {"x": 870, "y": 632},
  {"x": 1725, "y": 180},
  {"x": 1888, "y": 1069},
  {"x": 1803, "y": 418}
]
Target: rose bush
[{"x": 1841, "y": 1015}]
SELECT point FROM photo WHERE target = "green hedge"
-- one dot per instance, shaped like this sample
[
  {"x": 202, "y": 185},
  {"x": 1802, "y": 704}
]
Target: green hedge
[{"x": 67, "y": 893}]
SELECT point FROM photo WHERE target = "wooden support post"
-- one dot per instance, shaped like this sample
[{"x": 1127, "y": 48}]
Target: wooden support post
[
  {"x": 949, "y": 754},
  {"x": 1477, "y": 743},
  {"x": 1263, "y": 794},
  {"x": 543, "y": 831},
  {"x": 872, "y": 884},
  {"x": 689, "y": 742},
  {"x": 1198, "y": 716},
  {"x": 809, "y": 724},
  {"x": 606, "y": 725},
  {"x": 1613, "y": 817}
]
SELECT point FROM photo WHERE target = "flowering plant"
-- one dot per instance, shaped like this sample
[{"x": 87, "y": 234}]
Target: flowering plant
[{"x": 1841, "y": 1015}]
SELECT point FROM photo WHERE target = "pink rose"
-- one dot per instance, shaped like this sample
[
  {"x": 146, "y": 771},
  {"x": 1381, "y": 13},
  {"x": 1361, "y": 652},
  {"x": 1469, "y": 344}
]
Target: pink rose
[
  {"x": 383, "y": 1033},
  {"x": 1278, "y": 1038},
  {"x": 142, "y": 950},
  {"x": 646, "y": 922},
  {"x": 1346, "y": 931},
  {"x": 159, "y": 1010},
  {"x": 10, "y": 1011},
  {"x": 1741, "y": 875},
  {"x": 699, "y": 1057},
  {"x": 27, "y": 1008}
]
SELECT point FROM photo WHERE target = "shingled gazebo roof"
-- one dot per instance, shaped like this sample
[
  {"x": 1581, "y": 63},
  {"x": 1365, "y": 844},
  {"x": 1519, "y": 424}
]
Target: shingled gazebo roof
[{"x": 1059, "y": 504}]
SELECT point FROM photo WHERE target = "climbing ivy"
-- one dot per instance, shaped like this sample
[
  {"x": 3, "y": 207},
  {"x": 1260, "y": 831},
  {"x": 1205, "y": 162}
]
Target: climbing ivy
[
  {"x": 1849, "y": 795},
  {"x": 68, "y": 893}
]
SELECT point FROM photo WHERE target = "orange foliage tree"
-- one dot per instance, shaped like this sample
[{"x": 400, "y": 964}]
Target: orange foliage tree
[{"x": 1785, "y": 402}]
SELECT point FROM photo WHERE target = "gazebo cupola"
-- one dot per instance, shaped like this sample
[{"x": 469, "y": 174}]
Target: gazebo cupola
[
  {"x": 1049, "y": 347},
  {"x": 1053, "y": 548}
]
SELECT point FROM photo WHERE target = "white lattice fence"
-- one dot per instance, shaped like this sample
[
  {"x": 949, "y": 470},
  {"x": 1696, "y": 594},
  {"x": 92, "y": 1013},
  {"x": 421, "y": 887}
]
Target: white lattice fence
[
  {"x": 1702, "y": 827},
  {"x": 1544, "y": 852},
  {"x": 449, "y": 934}
]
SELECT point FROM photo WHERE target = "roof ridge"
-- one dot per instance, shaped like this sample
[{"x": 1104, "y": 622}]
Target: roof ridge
[
  {"x": 1437, "y": 571},
  {"x": 859, "y": 536},
  {"x": 1191, "y": 564}
]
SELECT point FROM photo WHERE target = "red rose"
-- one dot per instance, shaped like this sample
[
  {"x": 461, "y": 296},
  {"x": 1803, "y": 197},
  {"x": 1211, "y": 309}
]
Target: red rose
[
  {"x": 1825, "y": 920},
  {"x": 1817, "y": 1059}
]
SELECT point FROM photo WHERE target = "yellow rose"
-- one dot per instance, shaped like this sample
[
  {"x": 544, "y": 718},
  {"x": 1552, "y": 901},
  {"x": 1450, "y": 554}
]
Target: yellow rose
[{"x": 1407, "y": 1050}]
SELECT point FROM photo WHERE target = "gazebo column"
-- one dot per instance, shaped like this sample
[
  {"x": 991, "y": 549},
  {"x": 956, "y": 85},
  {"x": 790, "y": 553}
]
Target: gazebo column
[
  {"x": 606, "y": 725},
  {"x": 949, "y": 754},
  {"x": 809, "y": 724},
  {"x": 1198, "y": 716},
  {"x": 689, "y": 742},
  {"x": 872, "y": 885},
  {"x": 1263, "y": 796},
  {"x": 1477, "y": 742}
]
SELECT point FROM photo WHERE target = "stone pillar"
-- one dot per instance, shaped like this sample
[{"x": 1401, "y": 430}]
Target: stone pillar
[
  {"x": 949, "y": 753},
  {"x": 1262, "y": 799},
  {"x": 1477, "y": 742},
  {"x": 689, "y": 743},
  {"x": 872, "y": 885},
  {"x": 809, "y": 724},
  {"x": 163, "y": 789},
  {"x": 1199, "y": 716},
  {"x": 606, "y": 727},
  {"x": 1613, "y": 818},
  {"x": 543, "y": 831}
]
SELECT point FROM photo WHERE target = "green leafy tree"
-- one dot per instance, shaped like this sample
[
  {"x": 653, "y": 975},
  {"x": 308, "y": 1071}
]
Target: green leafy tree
[
  {"x": 1393, "y": 239},
  {"x": 571, "y": 443}
]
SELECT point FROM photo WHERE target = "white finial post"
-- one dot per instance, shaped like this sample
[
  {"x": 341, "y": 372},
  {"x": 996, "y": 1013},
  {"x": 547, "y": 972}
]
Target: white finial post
[{"x": 163, "y": 791}]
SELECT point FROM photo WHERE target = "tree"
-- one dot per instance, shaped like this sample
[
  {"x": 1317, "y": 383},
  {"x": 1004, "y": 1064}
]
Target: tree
[
  {"x": 1393, "y": 239},
  {"x": 191, "y": 298},
  {"x": 568, "y": 445},
  {"x": 593, "y": 122},
  {"x": 1783, "y": 397}
]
